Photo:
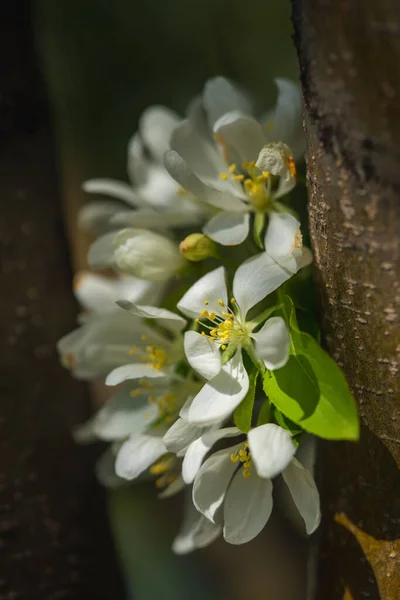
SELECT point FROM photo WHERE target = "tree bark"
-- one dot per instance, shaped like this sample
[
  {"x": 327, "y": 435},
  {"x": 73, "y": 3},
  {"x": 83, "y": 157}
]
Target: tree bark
[
  {"x": 349, "y": 52},
  {"x": 54, "y": 542}
]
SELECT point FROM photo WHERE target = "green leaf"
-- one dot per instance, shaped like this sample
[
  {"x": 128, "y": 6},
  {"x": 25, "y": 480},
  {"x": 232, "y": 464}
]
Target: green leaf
[
  {"x": 286, "y": 423},
  {"x": 243, "y": 414},
  {"x": 311, "y": 389},
  {"x": 259, "y": 222},
  {"x": 264, "y": 416}
]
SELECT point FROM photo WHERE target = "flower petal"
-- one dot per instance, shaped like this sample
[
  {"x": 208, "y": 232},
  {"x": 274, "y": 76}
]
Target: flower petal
[
  {"x": 137, "y": 454},
  {"x": 202, "y": 355},
  {"x": 101, "y": 252},
  {"x": 219, "y": 397},
  {"x": 305, "y": 494},
  {"x": 227, "y": 228},
  {"x": 199, "y": 448},
  {"x": 172, "y": 320},
  {"x": 156, "y": 126},
  {"x": 123, "y": 415},
  {"x": 196, "y": 531},
  {"x": 287, "y": 117},
  {"x": 181, "y": 434},
  {"x": 282, "y": 238},
  {"x": 201, "y": 156},
  {"x": 220, "y": 97},
  {"x": 95, "y": 292},
  {"x": 137, "y": 163},
  {"x": 95, "y": 216},
  {"x": 155, "y": 220},
  {"x": 211, "y": 482},
  {"x": 242, "y": 133},
  {"x": 271, "y": 449},
  {"x": 209, "y": 288},
  {"x": 272, "y": 343},
  {"x": 255, "y": 279},
  {"x": 132, "y": 371},
  {"x": 105, "y": 471},
  {"x": 247, "y": 507},
  {"x": 116, "y": 189},
  {"x": 228, "y": 199}
]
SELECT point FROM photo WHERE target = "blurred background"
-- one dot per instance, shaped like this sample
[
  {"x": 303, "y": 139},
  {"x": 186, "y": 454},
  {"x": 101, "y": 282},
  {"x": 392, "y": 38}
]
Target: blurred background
[{"x": 103, "y": 62}]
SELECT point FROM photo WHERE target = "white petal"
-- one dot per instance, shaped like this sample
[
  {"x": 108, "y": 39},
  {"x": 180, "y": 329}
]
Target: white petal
[
  {"x": 210, "y": 288},
  {"x": 220, "y": 97},
  {"x": 227, "y": 228},
  {"x": 123, "y": 415},
  {"x": 197, "y": 152},
  {"x": 173, "y": 488},
  {"x": 146, "y": 254},
  {"x": 116, "y": 189},
  {"x": 225, "y": 200},
  {"x": 95, "y": 216},
  {"x": 255, "y": 279},
  {"x": 138, "y": 454},
  {"x": 281, "y": 239},
  {"x": 199, "y": 448},
  {"x": 156, "y": 126},
  {"x": 287, "y": 119},
  {"x": 181, "y": 434},
  {"x": 305, "y": 494},
  {"x": 101, "y": 252},
  {"x": 247, "y": 507},
  {"x": 105, "y": 471},
  {"x": 272, "y": 343},
  {"x": 132, "y": 371},
  {"x": 211, "y": 482},
  {"x": 242, "y": 133},
  {"x": 202, "y": 355},
  {"x": 219, "y": 397},
  {"x": 138, "y": 164},
  {"x": 271, "y": 449},
  {"x": 95, "y": 292},
  {"x": 155, "y": 220},
  {"x": 196, "y": 531},
  {"x": 172, "y": 320}
]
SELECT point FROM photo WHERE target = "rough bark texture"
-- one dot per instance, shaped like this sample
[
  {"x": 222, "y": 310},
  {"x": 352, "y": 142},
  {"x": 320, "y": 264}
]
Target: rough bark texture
[
  {"x": 54, "y": 541},
  {"x": 349, "y": 52}
]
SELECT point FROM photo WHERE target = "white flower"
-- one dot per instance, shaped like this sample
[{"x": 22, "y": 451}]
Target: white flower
[
  {"x": 229, "y": 329},
  {"x": 248, "y": 168},
  {"x": 234, "y": 485},
  {"x": 137, "y": 252},
  {"x": 158, "y": 200},
  {"x": 106, "y": 342},
  {"x": 98, "y": 294}
]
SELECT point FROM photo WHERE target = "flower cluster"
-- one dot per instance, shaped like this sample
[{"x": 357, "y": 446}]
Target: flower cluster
[{"x": 213, "y": 382}]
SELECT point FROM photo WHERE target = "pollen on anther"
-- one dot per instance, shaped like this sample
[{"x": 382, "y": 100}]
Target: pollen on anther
[
  {"x": 204, "y": 313},
  {"x": 221, "y": 302},
  {"x": 223, "y": 347},
  {"x": 233, "y": 301},
  {"x": 223, "y": 176},
  {"x": 206, "y": 302},
  {"x": 203, "y": 333}
]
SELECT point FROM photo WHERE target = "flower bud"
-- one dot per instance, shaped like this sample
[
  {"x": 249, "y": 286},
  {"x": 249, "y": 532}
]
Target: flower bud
[
  {"x": 146, "y": 254},
  {"x": 197, "y": 246}
]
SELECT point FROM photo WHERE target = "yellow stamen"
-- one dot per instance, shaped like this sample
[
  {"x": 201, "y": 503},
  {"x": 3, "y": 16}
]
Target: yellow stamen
[
  {"x": 221, "y": 302},
  {"x": 223, "y": 176},
  {"x": 232, "y": 168}
]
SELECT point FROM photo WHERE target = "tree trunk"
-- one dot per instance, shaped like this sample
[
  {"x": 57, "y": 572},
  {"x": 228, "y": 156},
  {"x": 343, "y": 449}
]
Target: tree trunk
[
  {"x": 349, "y": 54},
  {"x": 54, "y": 542}
]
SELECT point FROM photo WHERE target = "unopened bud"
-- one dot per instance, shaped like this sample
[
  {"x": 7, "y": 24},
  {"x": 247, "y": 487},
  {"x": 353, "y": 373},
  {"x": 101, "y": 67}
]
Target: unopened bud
[{"x": 197, "y": 246}]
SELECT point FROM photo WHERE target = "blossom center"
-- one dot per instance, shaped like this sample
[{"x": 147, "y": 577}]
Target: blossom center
[
  {"x": 153, "y": 355},
  {"x": 243, "y": 456},
  {"x": 165, "y": 470},
  {"x": 223, "y": 324},
  {"x": 257, "y": 185}
]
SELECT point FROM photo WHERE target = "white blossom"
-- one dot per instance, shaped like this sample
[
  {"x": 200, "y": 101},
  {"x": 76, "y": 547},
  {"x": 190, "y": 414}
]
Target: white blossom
[
  {"x": 234, "y": 485},
  {"x": 248, "y": 165},
  {"x": 138, "y": 252}
]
